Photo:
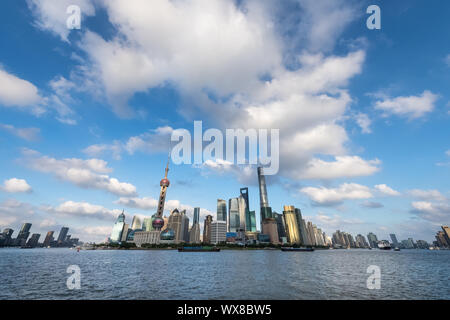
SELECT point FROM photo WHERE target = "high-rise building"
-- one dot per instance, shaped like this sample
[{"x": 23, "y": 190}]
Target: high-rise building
[
  {"x": 48, "y": 239},
  {"x": 280, "y": 226},
  {"x": 136, "y": 223},
  {"x": 23, "y": 235},
  {"x": 242, "y": 213},
  {"x": 233, "y": 215},
  {"x": 266, "y": 210},
  {"x": 446, "y": 231},
  {"x": 218, "y": 232},
  {"x": 147, "y": 224},
  {"x": 221, "y": 210},
  {"x": 252, "y": 220},
  {"x": 442, "y": 240},
  {"x": 290, "y": 221},
  {"x": 125, "y": 232},
  {"x": 6, "y": 237},
  {"x": 62, "y": 236},
  {"x": 196, "y": 215},
  {"x": 179, "y": 223},
  {"x": 301, "y": 227},
  {"x": 33, "y": 241},
  {"x": 158, "y": 222},
  {"x": 270, "y": 228},
  {"x": 194, "y": 233},
  {"x": 373, "y": 240},
  {"x": 311, "y": 234},
  {"x": 361, "y": 241},
  {"x": 207, "y": 229},
  {"x": 394, "y": 240},
  {"x": 116, "y": 234}
]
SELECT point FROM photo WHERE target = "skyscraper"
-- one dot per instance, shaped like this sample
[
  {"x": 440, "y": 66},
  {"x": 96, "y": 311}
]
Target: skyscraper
[
  {"x": 33, "y": 241},
  {"x": 23, "y": 235},
  {"x": 280, "y": 225},
  {"x": 136, "y": 223},
  {"x": 147, "y": 224},
  {"x": 233, "y": 215},
  {"x": 179, "y": 223},
  {"x": 194, "y": 233},
  {"x": 242, "y": 213},
  {"x": 373, "y": 240},
  {"x": 266, "y": 210},
  {"x": 158, "y": 222},
  {"x": 247, "y": 212},
  {"x": 394, "y": 240},
  {"x": 48, "y": 239},
  {"x": 116, "y": 234},
  {"x": 207, "y": 229},
  {"x": 218, "y": 232},
  {"x": 125, "y": 232},
  {"x": 7, "y": 236},
  {"x": 221, "y": 210},
  {"x": 62, "y": 236},
  {"x": 301, "y": 227},
  {"x": 290, "y": 221},
  {"x": 270, "y": 228},
  {"x": 446, "y": 231}
]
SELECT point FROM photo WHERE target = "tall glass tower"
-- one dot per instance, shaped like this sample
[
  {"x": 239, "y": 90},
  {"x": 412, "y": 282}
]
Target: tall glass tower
[
  {"x": 116, "y": 234},
  {"x": 266, "y": 210},
  {"x": 196, "y": 215},
  {"x": 233, "y": 215},
  {"x": 221, "y": 210}
]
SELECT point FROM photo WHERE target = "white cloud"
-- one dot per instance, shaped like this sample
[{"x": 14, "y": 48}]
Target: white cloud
[
  {"x": 332, "y": 196},
  {"x": 16, "y": 92},
  {"x": 434, "y": 212},
  {"x": 89, "y": 174},
  {"x": 412, "y": 107},
  {"x": 30, "y": 134},
  {"x": 427, "y": 194},
  {"x": 83, "y": 209},
  {"x": 344, "y": 166},
  {"x": 14, "y": 211},
  {"x": 364, "y": 122},
  {"x": 14, "y": 185},
  {"x": 386, "y": 190},
  {"x": 372, "y": 204},
  {"x": 52, "y": 15},
  {"x": 153, "y": 141},
  {"x": 211, "y": 53}
]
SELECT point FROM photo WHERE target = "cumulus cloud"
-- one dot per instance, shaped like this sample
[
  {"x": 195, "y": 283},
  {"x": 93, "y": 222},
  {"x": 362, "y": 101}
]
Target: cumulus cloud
[
  {"x": 14, "y": 185},
  {"x": 83, "y": 209},
  {"x": 434, "y": 212},
  {"x": 20, "y": 93},
  {"x": 89, "y": 174},
  {"x": 344, "y": 166},
  {"x": 29, "y": 134},
  {"x": 412, "y": 107},
  {"x": 384, "y": 189},
  {"x": 52, "y": 15},
  {"x": 153, "y": 141},
  {"x": 363, "y": 122},
  {"x": 427, "y": 194},
  {"x": 14, "y": 211},
  {"x": 332, "y": 196},
  {"x": 211, "y": 53}
]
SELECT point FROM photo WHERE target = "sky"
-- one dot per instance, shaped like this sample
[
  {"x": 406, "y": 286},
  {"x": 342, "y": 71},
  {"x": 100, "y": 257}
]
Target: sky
[{"x": 363, "y": 114}]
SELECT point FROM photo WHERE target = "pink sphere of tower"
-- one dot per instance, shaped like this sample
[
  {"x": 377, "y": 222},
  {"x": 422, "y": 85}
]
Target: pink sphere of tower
[{"x": 164, "y": 182}]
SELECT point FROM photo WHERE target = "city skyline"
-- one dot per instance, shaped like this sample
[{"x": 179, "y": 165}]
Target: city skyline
[{"x": 86, "y": 115}]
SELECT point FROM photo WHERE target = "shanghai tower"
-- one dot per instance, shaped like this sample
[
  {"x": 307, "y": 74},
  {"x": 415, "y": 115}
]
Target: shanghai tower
[
  {"x": 266, "y": 210},
  {"x": 158, "y": 222}
]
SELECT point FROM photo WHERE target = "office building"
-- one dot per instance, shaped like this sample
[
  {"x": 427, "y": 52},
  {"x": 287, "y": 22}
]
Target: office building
[
  {"x": 233, "y": 215},
  {"x": 6, "y": 237},
  {"x": 179, "y": 223},
  {"x": 48, "y": 239},
  {"x": 23, "y": 235},
  {"x": 394, "y": 240},
  {"x": 136, "y": 224},
  {"x": 33, "y": 241},
  {"x": 221, "y": 210},
  {"x": 266, "y": 210},
  {"x": 147, "y": 224},
  {"x": 446, "y": 231},
  {"x": 62, "y": 236},
  {"x": 280, "y": 226},
  {"x": 270, "y": 228},
  {"x": 373, "y": 240},
  {"x": 290, "y": 221},
  {"x": 218, "y": 232},
  {"x": 125, "y": 232},
  {"x": 146, "y": 237},
  {"x": 207, "y": 229},
  {"x": 301, "y": 227},
  {"x": 116, "y": 234}
]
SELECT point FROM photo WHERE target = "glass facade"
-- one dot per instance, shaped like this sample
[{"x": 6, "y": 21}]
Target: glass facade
[
  {"x": 116, "y": 234},
  {"x": 290, "y": 221},
  {"x": 221, "y": 210},
  {"x": 233, "y": 215}
]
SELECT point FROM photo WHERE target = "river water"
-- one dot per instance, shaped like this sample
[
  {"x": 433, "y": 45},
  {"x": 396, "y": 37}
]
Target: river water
[{"x": 229, "y": 274}]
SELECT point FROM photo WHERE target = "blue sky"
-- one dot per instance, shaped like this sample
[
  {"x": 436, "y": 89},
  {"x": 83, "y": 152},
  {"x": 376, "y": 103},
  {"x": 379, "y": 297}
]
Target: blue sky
[{"x": 86, "y": 115}]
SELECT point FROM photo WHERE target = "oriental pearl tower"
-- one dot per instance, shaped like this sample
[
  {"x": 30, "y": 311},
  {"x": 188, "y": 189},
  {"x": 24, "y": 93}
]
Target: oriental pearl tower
[{"x": 158, "y": 222}]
